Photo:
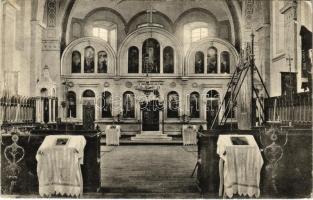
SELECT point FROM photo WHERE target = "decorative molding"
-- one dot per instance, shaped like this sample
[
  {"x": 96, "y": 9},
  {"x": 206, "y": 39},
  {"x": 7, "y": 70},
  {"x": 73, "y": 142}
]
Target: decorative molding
[{"x": 50, "y": 45}]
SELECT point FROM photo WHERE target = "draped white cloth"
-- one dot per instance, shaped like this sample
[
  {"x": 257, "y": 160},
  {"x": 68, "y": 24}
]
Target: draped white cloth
[
  {"x": 242, "y": 166},
  {"x": 58, "y": 166},
  {"x": 113, "y": 134},
  {"x": 189, "y": 135}
]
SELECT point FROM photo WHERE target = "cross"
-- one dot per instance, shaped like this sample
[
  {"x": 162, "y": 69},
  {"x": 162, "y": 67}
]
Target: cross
[{"x": 150, "y": 14}]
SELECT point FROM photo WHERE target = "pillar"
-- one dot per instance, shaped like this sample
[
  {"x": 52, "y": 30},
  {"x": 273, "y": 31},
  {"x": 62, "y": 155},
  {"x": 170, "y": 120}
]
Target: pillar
[{"x": 50, "y": 109}]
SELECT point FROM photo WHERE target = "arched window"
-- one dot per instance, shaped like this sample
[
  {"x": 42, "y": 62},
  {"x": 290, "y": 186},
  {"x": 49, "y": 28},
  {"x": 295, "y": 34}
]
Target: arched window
[
  {"x": 76, "y": 62},
  {"x": 199, "y": 62},
  {"x": 133, "y": 60},
  {"x": 88, "y": 93},
  {"x": 212, "y": 108},
  {"x": 89, "y": 63},
  {"x": 194, "y": 105},
  {"x": 212, "y": 60},
  {"x": 151, "y": 56},
  {"x": 128, "y": 105},
  {"x": 225, "y": 62},
  {"x": 102, "y": 62},
  {"x": 71, "y": 99},
  {"x": 172, "y": 105},
  {"x": 106, "y": 105},
  {"x": 168, "y": 60},
  {"x": 100, "y": 33}
]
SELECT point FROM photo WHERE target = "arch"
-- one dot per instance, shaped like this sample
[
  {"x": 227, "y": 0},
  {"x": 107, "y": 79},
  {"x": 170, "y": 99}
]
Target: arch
[
  {"x": 212, "y": 94},
  {"x": 80, "y": 44},
  {"x": 144, "y": 33},
  {"x": 133, "y": 59},
  {"x": 212, "y": 60},
  {"x": 225, "y": 62},
  {"x": 132, "y": 20},
  {"x": 64, "y": 23},
  {"x": 196, "y": 10},
  {"x": 71, "y": 100},
  {"x": 194, "y": 105},
  {"x": 151, "y": 56},
  {"x": 106, "y": 9},
  {"x": 199, "y": 62},
  {"x": 128, "y": 104},
  {"x": 76, "y": 62},
  {"x": 106, "y": 102},
  {"x": 168, "y": 60},
  {"x": 88, "y": 93},
  {"x": 44, "y": 92},
  {"x": 172, "y": 105}
]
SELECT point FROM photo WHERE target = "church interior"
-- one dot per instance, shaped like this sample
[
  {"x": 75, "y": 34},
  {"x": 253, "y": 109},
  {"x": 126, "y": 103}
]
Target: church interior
[{"x": 156, "y": 98}]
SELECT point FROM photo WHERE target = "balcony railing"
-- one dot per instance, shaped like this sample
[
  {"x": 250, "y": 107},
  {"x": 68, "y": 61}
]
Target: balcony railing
[{"x": 296, "y": 109}]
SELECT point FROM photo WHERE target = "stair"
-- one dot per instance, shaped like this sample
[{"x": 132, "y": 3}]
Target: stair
[{"x": 151, "y": 136}]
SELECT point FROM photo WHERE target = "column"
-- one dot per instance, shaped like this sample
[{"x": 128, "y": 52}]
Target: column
[
  {"x": 53, "y": 110},
  {"x": 161, "y": 59},
  {"x": 50, "y": 110},
  {"x": 36, "y": 46}
]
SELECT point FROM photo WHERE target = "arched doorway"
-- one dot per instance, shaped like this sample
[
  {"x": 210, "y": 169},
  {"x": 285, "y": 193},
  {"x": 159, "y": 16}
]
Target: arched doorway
[
  {"x": 150, "y": 114},
  {"x": 44, "y": 96},
  {"x": 88, "y": 109},
  {"x": 212, "y": 108}
]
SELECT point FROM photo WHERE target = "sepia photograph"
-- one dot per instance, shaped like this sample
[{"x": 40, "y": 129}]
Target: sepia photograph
[{"x": 156, "y": 99}]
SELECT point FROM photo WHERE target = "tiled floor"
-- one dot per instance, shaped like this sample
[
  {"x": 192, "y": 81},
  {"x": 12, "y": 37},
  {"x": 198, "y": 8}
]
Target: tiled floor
[{"x": 156, "y": 171}]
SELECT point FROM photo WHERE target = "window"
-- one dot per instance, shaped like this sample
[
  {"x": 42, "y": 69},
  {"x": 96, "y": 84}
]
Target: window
[
  {"x": 101, "y": 33},
  {"x": 102, "y": 62},
  {"x": 172, "y": 105},
  {"x": 106, "y": 105},
  {"x": 88, "y": 93},
  {"x": 194, "y": 105},
  {"x": 128, "y": 105},
  {"x": 71, "y": 100},
  {"x": 199, "y": 33}
]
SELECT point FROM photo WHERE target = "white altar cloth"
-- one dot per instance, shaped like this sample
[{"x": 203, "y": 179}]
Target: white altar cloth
[
  {"x": 113, "y": 135},
  {"x": 242, "y": 166},
  {"x": 189, "y": 135},
  {"x": 58, "y": 165}
]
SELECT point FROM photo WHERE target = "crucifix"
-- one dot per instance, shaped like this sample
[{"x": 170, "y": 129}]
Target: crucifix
[{"x": 150, "y": 14}]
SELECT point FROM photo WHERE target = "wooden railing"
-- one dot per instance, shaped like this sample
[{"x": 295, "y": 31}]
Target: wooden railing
[
  {"x": 17, "y": 109},
  {"x": 296, "y": 109}
]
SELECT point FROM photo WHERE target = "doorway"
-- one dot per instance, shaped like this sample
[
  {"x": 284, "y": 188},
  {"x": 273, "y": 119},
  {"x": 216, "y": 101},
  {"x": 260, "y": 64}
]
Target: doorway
[
  {"x": 150, "y": 116},
  {"x": 88, "y": 116}
]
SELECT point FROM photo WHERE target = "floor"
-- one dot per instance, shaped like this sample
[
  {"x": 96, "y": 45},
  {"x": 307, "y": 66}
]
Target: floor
[{"x": 149, "y": 171}]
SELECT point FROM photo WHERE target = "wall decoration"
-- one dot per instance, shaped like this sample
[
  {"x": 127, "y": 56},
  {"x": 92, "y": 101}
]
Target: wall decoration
[
  {"x": 194, "y": 85},
  {"x": 128, "y": 84},
  {"x": 172, "y": 105},
  {"x": 151, "y": 56},
  {"x": 76, "y": 62},
  {"x": 89, "y": 62},
  {"x": 288, "y": 83},
  {"x": 173, "y": 84},
  {"x": 133, "y": 60},
  {"x": 199, "y": 62},
  {"x": 225, "y": 62},
  {"x": 168, "y": 60},
  {"x": 71, "y": 100},
  {"x": 128, "y": 105},
  {"x": 212, "y": 60},
  {"x": 194, "y": 105},
  {"x": 102, "y": 62},
  {"x": 106, "y": 84}
]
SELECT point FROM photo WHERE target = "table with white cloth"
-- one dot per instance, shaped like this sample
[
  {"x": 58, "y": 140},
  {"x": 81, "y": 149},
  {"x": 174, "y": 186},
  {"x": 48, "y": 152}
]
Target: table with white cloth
[
  {"x": 112, "y": 135},
  {"x": 240, "y": 165},
  {"x": 189, "y": 135},
  {"x": 58, "y": 165}
]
